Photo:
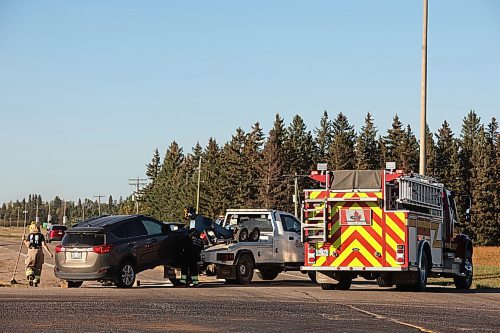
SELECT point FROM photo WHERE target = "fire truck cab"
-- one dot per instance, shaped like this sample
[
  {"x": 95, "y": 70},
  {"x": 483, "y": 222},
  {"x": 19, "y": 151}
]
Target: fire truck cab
[{"x": 384, "y": 225}]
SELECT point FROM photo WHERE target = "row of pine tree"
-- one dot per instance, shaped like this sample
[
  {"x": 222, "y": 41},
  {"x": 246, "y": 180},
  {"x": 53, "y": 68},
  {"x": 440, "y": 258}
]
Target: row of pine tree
[{"x": 255, "y": 170}]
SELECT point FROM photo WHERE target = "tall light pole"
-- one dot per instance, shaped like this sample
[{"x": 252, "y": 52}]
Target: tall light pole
[{"x": 423, "y": 95}]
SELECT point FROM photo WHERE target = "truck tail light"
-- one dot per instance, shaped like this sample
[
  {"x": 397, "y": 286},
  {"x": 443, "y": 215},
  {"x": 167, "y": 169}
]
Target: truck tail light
[
  {"x": 311, "y": 255},
  {"x": 101, "y": 249},
  {"x": 400, "y": 254}
]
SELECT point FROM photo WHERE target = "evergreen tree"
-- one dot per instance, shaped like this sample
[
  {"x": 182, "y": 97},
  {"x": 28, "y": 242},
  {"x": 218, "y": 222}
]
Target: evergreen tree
[
  {"x": 212, "y": 181},
  {"x": 408, "y": 152},
  {"x": 484, "y": 225},
  {"x": 153, "y": 168},
  {"x": 342, "y": 154},
  {"x": 430, "y": 150},
  {"x": 323, "y": 138},
  {"x": 469, "y": 134},
  {"x": 393, "y": 143},
  {"x": 233, "y": 171},
  {"x": 273, "y": 191},
  {"x": 447, "y": 165},
  {"x": 253, "y": 156},
  {"x": 367, "y": 147},
  {"x": 299, "y": 152}
]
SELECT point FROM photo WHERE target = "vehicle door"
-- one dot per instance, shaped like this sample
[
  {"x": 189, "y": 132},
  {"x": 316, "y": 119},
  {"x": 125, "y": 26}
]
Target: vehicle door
[
  {"x": 293, "y": 250},
  {"x": 134, "y": 237},
  {"x": 154, "y": 243}
]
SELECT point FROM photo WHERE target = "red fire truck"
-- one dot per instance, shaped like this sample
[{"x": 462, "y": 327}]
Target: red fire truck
[{"x": 399, "y": 229}]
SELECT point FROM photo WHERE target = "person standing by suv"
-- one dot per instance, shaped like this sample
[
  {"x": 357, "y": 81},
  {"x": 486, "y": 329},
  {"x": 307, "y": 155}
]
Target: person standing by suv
[{"x": 34, "y": 260}]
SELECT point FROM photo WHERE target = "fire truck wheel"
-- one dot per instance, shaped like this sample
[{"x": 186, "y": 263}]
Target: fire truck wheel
[
  {"x": 242, "y": 235},
  {"x": 423, "y": 272},
  {"x": 244, "y": 269},
  {"x": 327, "y": 286},
  {"x": 465, "y": 282},
  {"x": 344, "y": 283}
]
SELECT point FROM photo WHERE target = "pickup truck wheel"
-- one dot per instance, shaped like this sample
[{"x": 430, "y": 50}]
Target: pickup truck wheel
[
  {"x": 244, "y": 269},
  {"x": 255, "y": 235},
  {"x": 268, "y": 273},
  {"x": 465, "y": 282},
  {"x": 327, "y": 286}
]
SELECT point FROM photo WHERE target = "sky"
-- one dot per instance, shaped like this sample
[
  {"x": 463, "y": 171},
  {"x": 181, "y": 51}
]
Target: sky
[{"x": 89, "y": 89}]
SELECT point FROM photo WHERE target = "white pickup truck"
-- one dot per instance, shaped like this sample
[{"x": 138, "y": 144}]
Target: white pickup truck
[{"x": 277, "y": 249}]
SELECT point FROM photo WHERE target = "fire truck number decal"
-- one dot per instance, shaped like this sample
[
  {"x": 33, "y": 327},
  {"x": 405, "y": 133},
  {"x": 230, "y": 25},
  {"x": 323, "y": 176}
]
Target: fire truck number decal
[{"x": 355, "y": 216}]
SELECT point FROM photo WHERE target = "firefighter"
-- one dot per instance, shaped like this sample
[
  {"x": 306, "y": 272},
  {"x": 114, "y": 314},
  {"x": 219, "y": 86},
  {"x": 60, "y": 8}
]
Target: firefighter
[
  {"x": 192, "y": 246},
  {"x": 34, "y": 260}
]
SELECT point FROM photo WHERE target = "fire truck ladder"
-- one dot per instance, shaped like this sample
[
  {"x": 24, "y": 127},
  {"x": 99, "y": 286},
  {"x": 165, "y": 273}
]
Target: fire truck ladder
[
  {"x": 314, "y": 226},
  {"x": 420, "y": 191}
]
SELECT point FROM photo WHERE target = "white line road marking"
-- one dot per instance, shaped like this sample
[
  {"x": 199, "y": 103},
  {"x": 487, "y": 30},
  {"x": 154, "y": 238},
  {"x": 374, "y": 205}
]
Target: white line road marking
[{"x": 377, "y": 316}]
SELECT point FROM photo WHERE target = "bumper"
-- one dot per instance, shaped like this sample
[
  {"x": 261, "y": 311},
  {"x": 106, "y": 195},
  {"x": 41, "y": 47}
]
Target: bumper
[
  {"x": 102, "y": 274},
  {"x": 353, "y": 269}
]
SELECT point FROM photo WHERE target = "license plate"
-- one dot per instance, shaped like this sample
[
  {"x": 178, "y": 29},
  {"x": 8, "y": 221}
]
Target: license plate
[{"x": 76, "y": 255}]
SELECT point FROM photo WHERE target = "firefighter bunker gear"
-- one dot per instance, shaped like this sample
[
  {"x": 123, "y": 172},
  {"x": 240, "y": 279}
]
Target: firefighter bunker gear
[
  {"x": 35, "y": 258},
  {"x": 192, "y": 246}
]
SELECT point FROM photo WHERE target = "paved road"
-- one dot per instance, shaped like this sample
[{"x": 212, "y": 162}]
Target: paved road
[{"x": 291, "y": 303}]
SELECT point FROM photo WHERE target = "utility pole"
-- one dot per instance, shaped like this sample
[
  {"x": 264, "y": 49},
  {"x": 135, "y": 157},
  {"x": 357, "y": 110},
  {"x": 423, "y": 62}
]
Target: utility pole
[
  {"x": 138, "y": 183},
  {"x": 64, "y": 213},
  {"x": 99, "y": 202},
  {"x": 17, "y": 223},
  {"x": 198, "y": 187},
  {"x": 423, "y": 94},
  {"x": 49, "y": 217},
  {"x": 36, "y": 214},
  {"x": 25, "y": 212}
]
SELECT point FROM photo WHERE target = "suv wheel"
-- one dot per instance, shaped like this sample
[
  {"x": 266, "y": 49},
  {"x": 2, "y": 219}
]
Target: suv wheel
[
  {"x": 126, "y": 275},
  {"x": 75, "y": 284}
]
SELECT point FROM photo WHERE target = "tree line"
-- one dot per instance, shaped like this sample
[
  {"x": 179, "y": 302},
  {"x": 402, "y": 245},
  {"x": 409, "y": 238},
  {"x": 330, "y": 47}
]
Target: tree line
[{"x": 254, "y": 170}]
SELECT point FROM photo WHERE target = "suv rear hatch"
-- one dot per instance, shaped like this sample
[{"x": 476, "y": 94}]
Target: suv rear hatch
[{"x": 81, "y": 247}]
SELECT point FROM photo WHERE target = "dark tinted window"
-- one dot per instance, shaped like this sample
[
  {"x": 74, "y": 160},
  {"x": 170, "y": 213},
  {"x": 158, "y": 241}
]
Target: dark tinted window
[
  {"x": 58, "y": 227},
  {"x": 133, "y": 228},
  {"x": 152, "y": 227},
  {"x": 83, "y": 239},
  {"x": 290, "y": 223}
]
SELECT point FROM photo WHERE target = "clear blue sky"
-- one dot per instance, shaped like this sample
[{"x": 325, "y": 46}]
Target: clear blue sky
[{"x": 88, "y": 89}]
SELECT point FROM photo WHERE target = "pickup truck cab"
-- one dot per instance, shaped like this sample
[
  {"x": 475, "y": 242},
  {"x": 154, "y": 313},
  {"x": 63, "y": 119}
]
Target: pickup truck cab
[{"x": 277, "y": 249}]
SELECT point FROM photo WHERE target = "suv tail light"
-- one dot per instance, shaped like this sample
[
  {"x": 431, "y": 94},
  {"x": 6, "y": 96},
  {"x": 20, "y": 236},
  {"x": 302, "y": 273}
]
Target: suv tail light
[
  {"x": 100, "y": 249},
  {"x": 59, "y": 248}
]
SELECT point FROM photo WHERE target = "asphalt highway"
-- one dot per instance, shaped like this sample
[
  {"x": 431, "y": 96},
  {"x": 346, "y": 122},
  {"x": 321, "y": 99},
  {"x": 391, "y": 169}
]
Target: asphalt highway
[{"x": 291, "y": 303}]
